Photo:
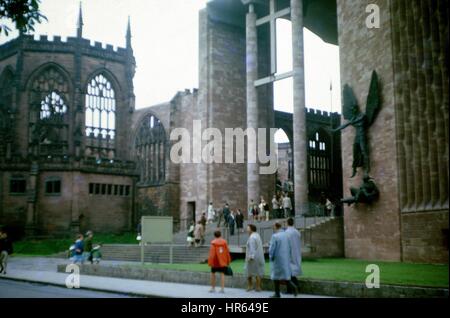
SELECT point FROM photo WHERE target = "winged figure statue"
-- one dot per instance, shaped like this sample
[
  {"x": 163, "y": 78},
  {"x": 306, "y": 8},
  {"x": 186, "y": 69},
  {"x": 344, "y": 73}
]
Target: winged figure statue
[{"x": 361, "y": 121}]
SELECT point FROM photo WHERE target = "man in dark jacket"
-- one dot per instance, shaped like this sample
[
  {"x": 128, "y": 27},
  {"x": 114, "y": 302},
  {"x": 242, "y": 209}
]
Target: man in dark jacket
[
  {"x": 240, "y": 221},
  {"x": 79, "y": 249},
  {"x": 231, "y": 223},
  {"x": 88, "y": 246},
  {"x": 6, "y": 249},
  {"x": 226, "y": 213}
]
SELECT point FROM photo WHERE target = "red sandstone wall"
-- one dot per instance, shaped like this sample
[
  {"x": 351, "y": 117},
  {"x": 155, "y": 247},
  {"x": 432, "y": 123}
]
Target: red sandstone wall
[
  {"x": 371, "y": 232},
  {"x": 423, "y": 237},
  {"x": 225, "y": 102}
]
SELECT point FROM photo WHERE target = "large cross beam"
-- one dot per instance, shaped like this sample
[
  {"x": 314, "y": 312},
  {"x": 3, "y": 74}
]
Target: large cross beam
[
  {"x": 295, "y": 11},
  {"x": 272, "y": 20}
]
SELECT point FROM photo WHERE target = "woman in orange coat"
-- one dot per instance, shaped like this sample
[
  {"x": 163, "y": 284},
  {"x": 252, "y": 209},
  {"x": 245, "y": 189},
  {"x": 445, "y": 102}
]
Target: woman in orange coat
[{"x": 219, "y": 259}]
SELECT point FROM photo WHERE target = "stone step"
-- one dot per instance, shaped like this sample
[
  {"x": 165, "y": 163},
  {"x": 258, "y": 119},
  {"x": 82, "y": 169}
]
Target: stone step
[{"x": 155, "y": 253}]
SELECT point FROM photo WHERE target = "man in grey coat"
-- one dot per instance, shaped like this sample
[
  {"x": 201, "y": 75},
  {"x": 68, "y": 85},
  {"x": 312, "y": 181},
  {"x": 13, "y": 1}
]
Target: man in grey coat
[
  {"x": 294, "y": 237},
  {"x": 254, "y": 258},
  {"x": 280, "y": 255}
]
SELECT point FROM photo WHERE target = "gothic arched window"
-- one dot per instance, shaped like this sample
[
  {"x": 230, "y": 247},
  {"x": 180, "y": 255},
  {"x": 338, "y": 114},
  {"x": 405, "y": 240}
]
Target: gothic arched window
[
  {"x": 49, "y": 120},
  {"x": 319, "y": 160},
  {"x": 6, "y": 94},
  {"x": 149, "y": 147},
  {"x": 100, "y": 118}
]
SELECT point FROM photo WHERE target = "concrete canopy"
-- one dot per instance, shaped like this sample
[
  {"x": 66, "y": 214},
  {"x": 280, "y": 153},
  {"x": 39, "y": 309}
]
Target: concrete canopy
[{"x": 320, "y": 15}]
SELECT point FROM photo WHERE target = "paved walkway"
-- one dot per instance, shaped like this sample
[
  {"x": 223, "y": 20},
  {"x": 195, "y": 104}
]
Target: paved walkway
[{"x": 43, "y": 270}]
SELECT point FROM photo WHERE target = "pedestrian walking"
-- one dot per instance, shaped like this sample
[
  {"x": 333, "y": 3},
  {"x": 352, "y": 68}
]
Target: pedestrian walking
[
  {"x": 203, "y": 220},
  {"x": 240, "y": 221},
  {"x": 254, "y": 259},
  {"x": 190, "y": 236},
  {"x": 6, "y": 249},
  {"x": 87, "y": 254},
  {"x": 329, "y": 206},
  {"x": 219, "y": 260},
  {"x": 264, "y": 209},
  {"x": 275, "y": 206},
  {"x": 280, "y": 254},
  {"x": 219, "y": 218},
  {"x": 294, "y": 237},
  {"x": 96, "y": 254},
  {"x": 199, "y": 234},
  {"x": 232, "y": 223},
  {"x": 287, "y": 205},
  {"x": 226, "y": 213},
  {"x": 211, "y": 213},
  {"x": 252, "y": 211},
  {"x": 79, "y": 249}
]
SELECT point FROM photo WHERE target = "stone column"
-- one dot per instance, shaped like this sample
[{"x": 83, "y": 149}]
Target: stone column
[
  {"x": 299, "y": 120},
  {"x": 75, "y": 224},
  {"x": 30, "y": 226},
  {"x": 253, "y": 190}
]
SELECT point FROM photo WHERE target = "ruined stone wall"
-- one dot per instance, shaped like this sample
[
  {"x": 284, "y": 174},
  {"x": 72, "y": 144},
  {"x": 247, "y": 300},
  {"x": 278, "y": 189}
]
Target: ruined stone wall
[
  {"x": 74, "y": 208},
  {"x": 13, "y": 206},
  {"x": 100, "y": 213},
  {"x": 163, "y": 199},
  {"x": 192, "y": 176},
  {"x": 222, "y": 100}
]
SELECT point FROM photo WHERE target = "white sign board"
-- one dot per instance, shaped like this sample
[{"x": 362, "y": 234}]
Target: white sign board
[{"x": 157, "y": 229}]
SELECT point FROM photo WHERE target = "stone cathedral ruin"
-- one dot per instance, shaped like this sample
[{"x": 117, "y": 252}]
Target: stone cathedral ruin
[{"x": 76, "y": 154}]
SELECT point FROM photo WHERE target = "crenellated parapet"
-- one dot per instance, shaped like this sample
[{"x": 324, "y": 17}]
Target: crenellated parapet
[{"x": 57, "y": 44}]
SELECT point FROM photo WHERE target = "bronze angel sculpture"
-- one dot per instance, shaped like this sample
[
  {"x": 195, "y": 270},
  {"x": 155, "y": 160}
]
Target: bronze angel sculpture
[{"x": 361, "y": 121}]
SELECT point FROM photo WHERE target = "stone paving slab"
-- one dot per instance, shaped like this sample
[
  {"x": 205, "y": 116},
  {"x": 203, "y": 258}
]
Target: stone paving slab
[
  {"x": 135, "y": 287},
  {"x": 44, "y": 270}
]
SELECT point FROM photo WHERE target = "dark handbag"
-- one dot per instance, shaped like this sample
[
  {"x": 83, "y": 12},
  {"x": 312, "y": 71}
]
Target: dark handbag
[{"x": 228, "y": 271}]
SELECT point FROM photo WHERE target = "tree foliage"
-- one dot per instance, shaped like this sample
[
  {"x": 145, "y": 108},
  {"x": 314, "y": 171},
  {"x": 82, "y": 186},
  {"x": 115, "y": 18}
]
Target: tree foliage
[{"x": 24, "y": 14}]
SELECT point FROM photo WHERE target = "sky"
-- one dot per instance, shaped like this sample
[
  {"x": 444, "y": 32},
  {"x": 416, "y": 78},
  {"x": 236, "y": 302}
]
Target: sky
[{"x": 165, "y": 43}]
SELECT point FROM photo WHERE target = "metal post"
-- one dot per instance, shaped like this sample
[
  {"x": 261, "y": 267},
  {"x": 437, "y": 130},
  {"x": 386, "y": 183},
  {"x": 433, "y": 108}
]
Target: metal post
[
  {"x": 142, "y": 251},
  {"x": 171, "y": 254}
]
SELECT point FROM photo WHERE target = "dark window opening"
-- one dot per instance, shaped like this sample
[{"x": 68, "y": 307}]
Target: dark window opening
[
  {"x": 18, "y": 186},
  {"x": 103, "y": 189},
  {"x": 91, "y": 188},
  {"x": 97, "y": 188},
  {"x": 53, "y": 187}
]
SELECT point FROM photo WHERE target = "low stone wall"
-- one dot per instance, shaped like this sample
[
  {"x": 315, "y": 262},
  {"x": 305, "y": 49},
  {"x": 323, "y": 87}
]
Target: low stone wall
[
  {"x": 327, "y": 239},
  {"x": 307, "y": 286}
]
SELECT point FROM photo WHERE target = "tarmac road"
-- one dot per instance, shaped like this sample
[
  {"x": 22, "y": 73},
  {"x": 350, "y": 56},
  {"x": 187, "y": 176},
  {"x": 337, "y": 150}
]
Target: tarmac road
[{"x": 14, "y": 289}]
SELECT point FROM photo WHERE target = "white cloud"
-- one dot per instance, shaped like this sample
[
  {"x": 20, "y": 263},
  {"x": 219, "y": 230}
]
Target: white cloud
[{"x": 165, "y": 42}]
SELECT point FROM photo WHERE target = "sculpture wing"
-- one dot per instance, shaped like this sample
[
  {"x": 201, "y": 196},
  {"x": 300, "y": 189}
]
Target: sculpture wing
[
  {"x": 349, "y": 102},
  {"x": 373, "y": 105}
]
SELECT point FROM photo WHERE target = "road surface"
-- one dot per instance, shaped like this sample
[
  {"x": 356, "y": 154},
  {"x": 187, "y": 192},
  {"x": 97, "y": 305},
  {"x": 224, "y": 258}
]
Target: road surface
[{"x": 14, "y": 289}]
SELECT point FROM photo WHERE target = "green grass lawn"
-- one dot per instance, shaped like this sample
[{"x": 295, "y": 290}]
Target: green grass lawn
[
  {"x": 52, "y": 246},
  {"x": 349, "y": 270},
  {"x": 323, "y": 269}
]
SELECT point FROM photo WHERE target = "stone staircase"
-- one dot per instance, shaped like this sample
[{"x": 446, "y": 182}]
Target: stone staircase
[
  {"x": 265, "y": 229},
  {"x": 155, "y": 253},
  {"x": 310, "y": 227}
]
